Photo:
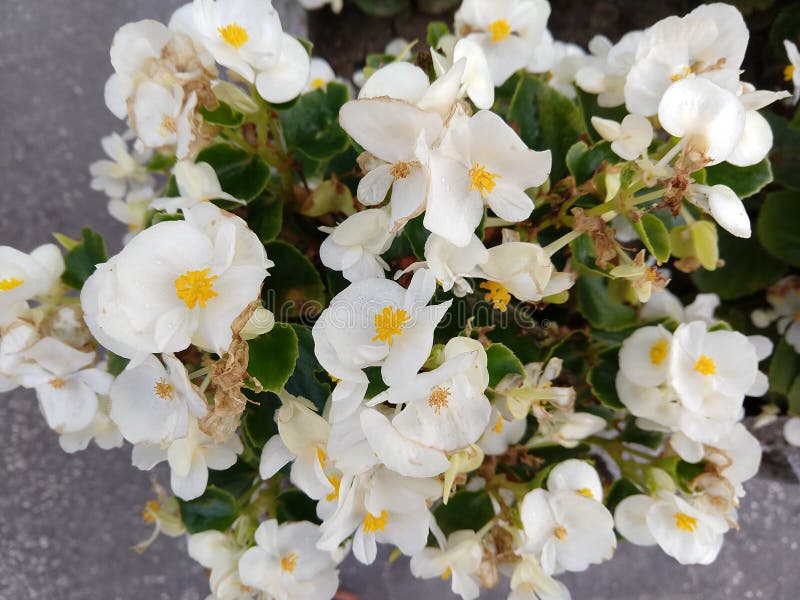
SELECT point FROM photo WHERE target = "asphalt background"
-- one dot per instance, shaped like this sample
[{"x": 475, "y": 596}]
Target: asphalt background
[{"x": 67, "y": 521}]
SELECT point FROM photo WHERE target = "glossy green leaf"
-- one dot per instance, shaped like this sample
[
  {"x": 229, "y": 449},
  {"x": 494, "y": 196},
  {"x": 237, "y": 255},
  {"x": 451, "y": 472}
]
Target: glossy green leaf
[
  {"x": 80, "y": 262},
  {"x": 241, "y": 174},
  {"x": 265, "y": 218},
  {"x": 436, "y": 31},
  {"x": 223, "y": 115},
  {"x": 597, "y": 307},
  {"x": 583, "y": 160},
  {"x": 311, "y": 126},
  {"x": 633, "y": 434},
  {"x": 602, "y": 379},
  {"x": 294, "y": 287},
  {"x": 215, "y": 509},
  {"x": 464, "y": 510},
  {"x": 306, "y": 379},
  {"x": 745, "y": 181},
  {"x": 294, "y": 505},
  {"x": 619, "y": 490},
  {"x": 783, "y": 367},
  {"x": 654, "y": 236},
  {"x": 778, "y": 226},
  {"x": 502, "y": 362},
  {"x": 258, "y": 423},
  {"x": 785, "y": 153},
  {"x": 273, "y": 357}
]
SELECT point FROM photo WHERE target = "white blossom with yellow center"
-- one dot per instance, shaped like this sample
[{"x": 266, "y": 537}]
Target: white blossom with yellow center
[
  {"x": 285, "y": 562},
  {"x": 219, "y": 553},
  {"x": 501, "y": 433},
  {"x": 458, "y": 559},
  {"x": 354, "y": 247},
  {"x": 176, "y": 283},
  {"x": 578, "y": 476},
  {"x": 792, "y": 70},
  {"x": 197, "y": 183},
  {"x": 153, "y": 404},
  {"x": 25, "y": 277}
]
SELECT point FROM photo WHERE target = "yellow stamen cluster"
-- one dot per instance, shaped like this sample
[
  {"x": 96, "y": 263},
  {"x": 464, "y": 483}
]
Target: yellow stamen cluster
[
  {"x": 336, "y": 483},
  {"x": 57, "y": 383},
  {"x": 497, "y": 294},
  {"x": 400, "y": 170},
  {"x": 10, "y": 283},
  {"x": 498, "y": 426},
  {"x": 289, "y": 562},
  {"x": 788, "y": 73},
  {"x": 234, "y": 35},
  {"x": 560, "y": 532},
  {"x": 500, "y": 30},
  {"x": 705, "y": 365},
  {"x": 438, "y": 398},
  {"x": 151, "y": 507},
  {"x": 658, "y": 352},
  {"x": 682, "y": 75},
  {"x": 685, "y": 522},
  {"x": 585, "y": 492},
  {"x": 373, "y": 523},
  {"x": 389, "y": 323},
  {"x": 164, "y": 389},
  {"x": 482, "y": 180},
  {"x": 195, "y": 287},
  {"x": 168, "y": 125},
  {"x": 317, "y": 83}
]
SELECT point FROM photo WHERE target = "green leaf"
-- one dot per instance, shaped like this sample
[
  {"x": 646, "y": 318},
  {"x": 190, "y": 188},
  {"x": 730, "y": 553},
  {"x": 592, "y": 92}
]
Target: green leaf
[
  {"x": 502, "y": 362},
  {"x": 81, "y": 261},
  {"x": 294, "y": 287},
  {"x": 583, "y": 161},
  {"x": 304, "y": 381},
  {"x": 597, "y": 307},
  {"x": 602, "y": 378},
  {"x": 235, "y": 480},
  {"x": 464, "y": 510},
  {"x": 682, "y": 472},
  {"x": 382, "y": 8},
  {"x": 619, "y": 490},
  {"x": 265, "y": 218},
  {"x": 161, "y": 162},
  {"x": 745, "y": 181},
  {"x": 785, "y": 153},
  {"x": 748, "y": 268},
  {"x": 782, "y": 367},
  {"x": 436, "y": 31},
  {"x": 633, "y": 434},
  {"x": 293, "y": 506},
  {"x": 241, "y": 174},
  {"x": 436, "y": 7},
  {"x": 654, "y": 236},
  {"x": 311, "y": 126},
  {"x": 584, "y": 255},
  {"x": 778, "y": 226},
  {"x": 115, "y": 364},
  {"x": 590, "y": 108},
  {"x": 545, "y": 120},
  {"x": 223, "y": 115},
  {"x": 417, "y": 235},
  {"x": 215, "y": 509},
  {"x": 273, "y": 357},
  {"x": 794, "y": 397},
  {"x": 258, "y": 424}
]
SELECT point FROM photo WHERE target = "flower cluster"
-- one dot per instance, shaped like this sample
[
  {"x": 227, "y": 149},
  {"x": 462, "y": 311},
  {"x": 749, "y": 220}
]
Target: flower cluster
[{"x": 433, "y": 316}]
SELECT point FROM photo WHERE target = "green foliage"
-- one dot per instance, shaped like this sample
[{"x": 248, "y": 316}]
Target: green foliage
[
  {"x": 294, "y": 287},
  {"x": 294, "y": 505},
  {"x": 382, "y": 8},
  {"x": 215, "y": 509},
  {"x": 436, "y": 7},
  {"x": 265, "y": 218},
  {"x": 602, "y": 379},
  {"x": 583, "y": 160},
  {"x": 235, "y": 480},
  {"x": 241, "y": 174},
  {"x": 590, "y": 108},
  {"x": 436, "y": 31},
  {"x": 161, "y": 162},
  {"x": 258, "y": 423},
  {"x": 545, "y": 120},
  {"x": 464, "y": 510},
  {"x": 619, "y": 490},
  {"x": 273, "y": 357},
  {"x": 305, "y": 379},
  {"x": 783, "y": 367},
  {"x": 81, "y": 260},
  {"x": 115, "y": 364},
  {"x": 785, "y": 153},
  {"x": 311, "y": 126},
  {"x": 502, "y": 362},
  {"x": 778, "y": 226},
  {"x": 417, "y": 235},
  {"x": 745, "y": 181},
  {"x": 633, "y": 434},
  {"x": 224, "y": 115},
  {"x": 654, "y": 236},
  {"x": 596, "y": 306}
]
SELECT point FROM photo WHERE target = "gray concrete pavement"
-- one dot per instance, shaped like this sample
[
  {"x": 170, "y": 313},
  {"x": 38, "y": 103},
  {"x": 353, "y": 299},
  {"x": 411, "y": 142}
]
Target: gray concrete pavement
[{"x": 67, "y": 521}]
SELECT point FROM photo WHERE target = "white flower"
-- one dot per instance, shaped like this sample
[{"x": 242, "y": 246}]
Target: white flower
[
  {"x": 66, "y": 386},
  {"x": 197, "y": 183},
  {"x": 791, "y": 431},
  {"x": 481, "y": 160},
  {"x": 682, "y": 530},
  {"x": 25, "y": 277},
  {"x": 524, "y": 271},
  {"x": 445, "y": 410},
  {"x": 710, "y": 119},
  {"x": 381, "y": 506},
  {"x": 336, "y": 5},
  {"x": 577, "y": 476},
  {"x": 501, "y": 433},
  {"x": 17, "y": 338},
  {"x": 530, "y": 582},
  {"x": 756, "y": 140},
  {"x": 784, "y": 296},
  {"x": 246, "y": 37},
  {"x": 319, "y": 75},
  {"x": 567, "y": 428},
  {"x": 567, "y": 61},
  {"x": 738, "y": 455},
  {"x": 568, "y": 530},
  {"x": 521, "y": 392},
  {"x": 667, "y": 305},
  {"x": 285, "y": 563},
  {"x": 354, "y": 247},
  {"x": 644, "y": 356},
  {"x": 189, "y": 460},
  {"x": 467, "y": 65},
  {"x": 151, "y": 404},
  {"x": 606, "y": 74},
  {"x": 162, "y": 116},
  {"x": 459, "y": 560},
  {"x": 722, "y": 203},
  {"x": 133, "y": 211},
  {"x": 450, "y": 264},
  {"x": 125, "y": 170},
  {"x": 398, "y": 135},
  {"x": 506, "y": 31},
  {"x": 101, "y": 429},
  {"x": 709, "y": 43},
  {"x": 219, "y": 553},
  {"x": 629, "y": 139},
  {"x": 792, "y": 70},
  {"x": 176, "y": 283},
  {"x": 398, "y": 80},
  {"x": 377, "y": 322}
]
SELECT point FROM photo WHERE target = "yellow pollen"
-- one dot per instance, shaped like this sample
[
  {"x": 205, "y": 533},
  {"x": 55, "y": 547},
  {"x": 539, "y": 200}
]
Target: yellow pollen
[
  {"x": 373, "y": 523},
  {"x": 168, "y": 125},
  {"x": 317, "y": 83},
  {"x": 321, "y": 456},
  {"x": 498, "y": 427},
  {"x": 57, "y": 383},
  {"x": 389, "y": 323},
  {"x": 651, "y": 274},
  {"x": 788, "y": 73},
  {"x": 658, "y": 352},
  {"x": 685, "y": 522},
  {"x": 705, "y": 365},
  {"x": 335, "y": 482},
  {"x": 497, "y": 294},
  {"x": 10, "y": 284},
  {"x": 400, "y": 170},
  {"x": 289, "y": 562},
  {"x": 164, "y": 389},
  {"x": 438, "y": 398},
  {"x": 585, "y": 492},
  {"x": 482, "y": 180},
  {"x": 195, "y": 287},
  {"x": 333, "y": 379},
  {"x": 447, "y": 573},
  {"x": 682, "y": 75},
  {"x": 151, "y": 507},
  {"x": 500, "y": 30},
  {"x": 234, "y": 35},
  {"x": 560, "y": 532}
]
